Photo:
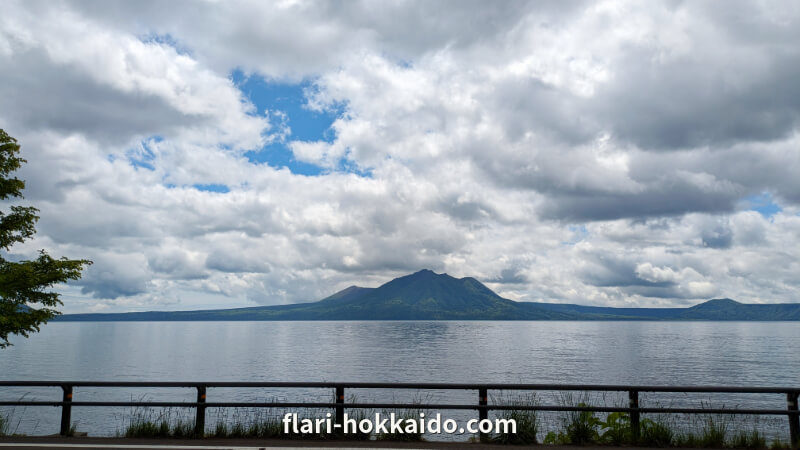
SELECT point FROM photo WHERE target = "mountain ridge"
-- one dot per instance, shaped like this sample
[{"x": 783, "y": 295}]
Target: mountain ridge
[{"x": 425, "y": 295}]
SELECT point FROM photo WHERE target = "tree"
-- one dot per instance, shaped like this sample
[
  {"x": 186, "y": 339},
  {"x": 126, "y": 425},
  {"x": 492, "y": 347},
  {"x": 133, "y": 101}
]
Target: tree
[{"x": 25, "y": 302}]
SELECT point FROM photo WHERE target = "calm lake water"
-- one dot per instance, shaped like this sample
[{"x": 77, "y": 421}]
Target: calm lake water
[{"x": 656, "y": 353}]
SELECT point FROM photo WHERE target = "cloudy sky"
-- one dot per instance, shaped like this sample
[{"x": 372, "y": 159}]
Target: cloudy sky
[{"x": 225, "y": 154}]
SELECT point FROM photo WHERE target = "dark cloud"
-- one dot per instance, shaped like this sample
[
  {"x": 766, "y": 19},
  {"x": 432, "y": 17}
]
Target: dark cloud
[
  {"x": 674, "y": 199},
  {"x": 717, "y": 237},
  {"x": 609, "y": 271},
  {"x": 45, "y": 95},
  {"x": 114, "y": 276},
  {"x": 510, "y": 276},
  {"x": 465, "y": 210},
  {"x": 693, "y": 102}
]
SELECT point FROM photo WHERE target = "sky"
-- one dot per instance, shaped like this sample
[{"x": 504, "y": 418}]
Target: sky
[{"x": 213, "y": 154}]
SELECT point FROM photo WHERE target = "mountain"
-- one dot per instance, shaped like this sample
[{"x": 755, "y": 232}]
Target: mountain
[
  {"x": 727, "y": 309},
  {"x": 717, "y": 309},
  {"x": 425, "y": 295}
]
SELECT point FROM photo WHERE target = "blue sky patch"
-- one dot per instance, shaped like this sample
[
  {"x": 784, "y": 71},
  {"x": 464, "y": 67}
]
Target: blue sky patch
[
  {"x": 144, "y": 156},
  {"x": 220, "y": 188},
  {"x": 279, "y": 155},
  {"x": 166, "y": 39},
  {"x": 347, "y": 165},
  {"x": 580, "y": 232},
  {"x": 763, "y": 203},
  {"x": 305, "y": 124}
]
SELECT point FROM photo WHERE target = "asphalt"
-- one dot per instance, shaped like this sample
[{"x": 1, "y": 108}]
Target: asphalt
[
  {"x": 32, "y": 443},
  {"x": 28, "y": 443}
]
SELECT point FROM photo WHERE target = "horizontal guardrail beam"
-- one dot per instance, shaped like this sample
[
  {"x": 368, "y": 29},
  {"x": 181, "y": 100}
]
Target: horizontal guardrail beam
[
  {"x": 444, "y": 386},
  {"x": 767, "y": 412}
]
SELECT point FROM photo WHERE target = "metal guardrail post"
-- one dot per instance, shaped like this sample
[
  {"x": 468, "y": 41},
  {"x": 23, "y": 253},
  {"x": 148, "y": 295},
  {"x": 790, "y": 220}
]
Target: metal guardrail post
[
  {"x": 794, "y": 420},
  {"x": 483, "y": 413},
  {"x": 66, "y": 410},
  {"x": 340, "y": 401},
  {"x": 633, "y": 402},
  {"x": 200, "y": 418}
]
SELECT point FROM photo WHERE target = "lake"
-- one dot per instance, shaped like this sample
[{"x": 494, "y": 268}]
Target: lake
[{"x": 655, "y": 353}]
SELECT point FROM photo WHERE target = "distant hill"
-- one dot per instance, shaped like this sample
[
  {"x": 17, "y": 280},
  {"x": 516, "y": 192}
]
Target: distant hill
[{"x": 425, "y": 295}]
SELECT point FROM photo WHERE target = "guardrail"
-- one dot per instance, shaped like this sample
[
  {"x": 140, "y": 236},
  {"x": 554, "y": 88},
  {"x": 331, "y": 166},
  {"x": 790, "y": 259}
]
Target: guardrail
[{"x": 482, "y": 406}]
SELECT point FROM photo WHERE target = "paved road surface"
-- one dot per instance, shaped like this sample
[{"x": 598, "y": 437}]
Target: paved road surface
[{"x": 34, "y": 443}]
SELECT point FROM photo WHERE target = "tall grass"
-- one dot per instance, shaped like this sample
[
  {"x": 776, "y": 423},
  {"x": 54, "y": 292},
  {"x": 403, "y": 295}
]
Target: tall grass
[
  {"x": 715, "y": 432},
  {"x": 358, "y": 416},
  {"x": 11, "y": 419},
  {"x": 526, "y": 420},
  {"x": 705, "y": 431},
  {"x": 404, "y": 416},
  {"x": 270, "y": 428},
  {"x": 655, "y": 433},
  {"x": 749, "y": 439},
  {"x": 158, "y": 423},
  {"x": 578, "y": 427},
  {"x": 571, "y": 427}
]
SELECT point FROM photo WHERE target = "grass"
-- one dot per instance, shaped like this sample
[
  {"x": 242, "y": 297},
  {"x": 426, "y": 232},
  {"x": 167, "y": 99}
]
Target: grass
[
  {"x": 616, "y": 430},
  {"x": 714, "y": 433},
  {"x": 711, "y": 431},
  {"x": 578, "y": 427},
  {"x": 166, "y": 423},
  {"x": 404, "y": 416},
  {"x": 230, "y": 423},
  {"x": 8, "y": 427},
  {"x": 655, "y": 433},
  {"x": 527, "y": 423},
  {"x": 359, "y": 435},
  {"x": 749, "y": 439},
  {"x": 264, "y": 429},
  {"x": 574, "y": 427},
  {"x": 778, "y": 445}
]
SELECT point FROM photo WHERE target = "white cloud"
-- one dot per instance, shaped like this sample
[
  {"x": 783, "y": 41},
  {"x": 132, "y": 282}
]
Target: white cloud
[{"x": 584, "y": 152}]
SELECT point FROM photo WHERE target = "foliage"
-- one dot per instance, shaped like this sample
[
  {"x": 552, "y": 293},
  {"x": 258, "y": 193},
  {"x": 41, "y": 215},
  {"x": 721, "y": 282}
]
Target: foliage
[
  {"x": 616, "y": 430},
  {"x": 148, "y": 429},
  {"x": 778, "y": 445},
  {"x": 183, "y": 429},
  {"x": 749, "y": 439},
  {"x": 714, "y": 433},
  {"x": 527, "y": 423},
  {"x": 580, "y": 427},
  {"x": 148, "y": 423},
  {"x": 248, "y": 423},
  {"x": 655, "y": 434},
  {"x": 24, "y": 283},
  {"x": 527, "y": 428},
  {"x": 358, "y": 415}
]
